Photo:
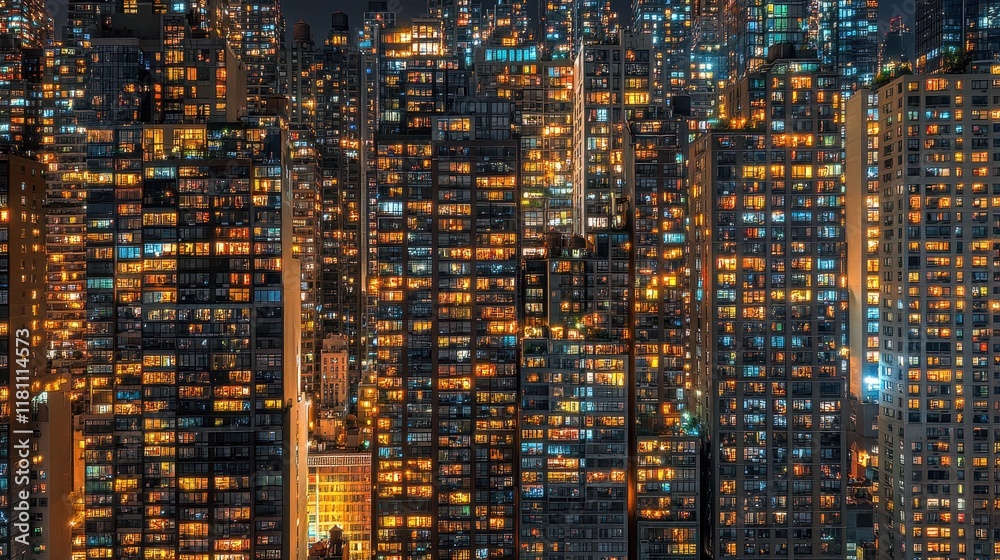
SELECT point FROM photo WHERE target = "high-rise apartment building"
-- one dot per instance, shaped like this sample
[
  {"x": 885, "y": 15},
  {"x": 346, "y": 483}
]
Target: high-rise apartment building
[
  {"x": 64, "y": 154},
  {"x": 376, "y": 18},
  {"x": 465, "y": 26},
  {"x": 611, "y": 81},
  {"x": 852, "y": 46},
  {"x": 594, "y": 21},
  {"x": 863, "y": 232},
  {"x": 25, "y": 28},
  {"x": 708, "y": 62},
  {"x": 557, "y": 148},
  {"x": 938, "y": 313},
  {"x": 863, "y": 229},
  {"x": 574, "y": 400},
  {"x": 769, "y": 313},
  {"x": 182, "y": 303},
  {"x": 749, "y": 31},
  {"x": 341, "y": 130},
  {"x": 952, "y": 33},
  {"x": 33, "y": 410},
  {"x": 193, "y": 424},
  {"x": 543, "y": 121},
  {"x": 301, "y": 67},
  {"x": 557, "y": 23},
  {"x": 409, "y": 78},
  {"x": 669, "y": 22},
  {"x": 650, "y": 17},
  {"x": 304, "y": 175},
  {"x": 447, "y": 331},
  {"x": 842, "y": 33},
  {"x": 510, "y": 24},
  {"x": 255, "y": 30},
  {"x": 25, "y": 23},
  {"x": 566, "y": 25},
  {"x": 20, "y": 97},
  {"x": 667, "y": 521}
]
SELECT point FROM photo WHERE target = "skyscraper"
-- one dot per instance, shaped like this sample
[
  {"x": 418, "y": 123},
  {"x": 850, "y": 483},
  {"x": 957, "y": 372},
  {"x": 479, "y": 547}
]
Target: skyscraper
[
  {"x": 594, "y": 21},
  {"x": 666, "y": 520},
  {"x": 558, "y": 25},
  {"x": 574, "y": 412},
  {"x": 611, "y": 81},
  {"x": 301, "y": 67},
  {"x": 863, "y": 227},
  {"x": 343, "y": 138},
  {"x": 496, "y": 227},
  {"x": 510, "y": 24},
  {"x": 543, "y": 121},
  {"x": 255, "y": 31},
  {"x": 32, "y": 515},
  {"x": 25, "y": 28},
  {"x": 26, "y": 23},
  {"x": 447, "y": 328},
  {"x": 34, "y": 408},
  {"x": 854, "y": 31},
  {"x": 669, "y": 22},
  {"x": 193, "y": 344},
  {"x": 750, "y": 30},
  {"x": 841, "y": 33},
  {"x": 863, "y": 233},
  {"x": 304, "y": 174},
  {"x": 64, "y": 154},
  {"x": 938, "y": 312},
  {"x": 465, "y": 26},
  {"x": 708, "y": 62},
  {"x": 177, "y": 290},
  {"x": 952, "y": 33},
  {"x": 768, "y": 319}
]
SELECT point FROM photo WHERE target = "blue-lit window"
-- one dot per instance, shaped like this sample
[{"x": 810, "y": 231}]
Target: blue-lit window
[
  {"x": 129, "y": 252},
  {"x": 826, "y": 296},
  {"x": 269, "y": 296},
  {"x": 826, "y": 264}
]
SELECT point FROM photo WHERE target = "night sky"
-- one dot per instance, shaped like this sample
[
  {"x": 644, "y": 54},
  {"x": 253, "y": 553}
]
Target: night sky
[{"x": 317, "y": 12}]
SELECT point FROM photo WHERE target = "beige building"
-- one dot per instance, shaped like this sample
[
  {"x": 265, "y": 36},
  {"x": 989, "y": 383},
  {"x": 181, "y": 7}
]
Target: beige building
[
  {"x": 939, "y": 357},
  {"x": 334, "y": 381}
]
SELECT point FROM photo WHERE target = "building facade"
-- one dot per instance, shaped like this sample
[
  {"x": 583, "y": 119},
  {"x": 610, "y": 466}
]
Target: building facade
[
  {"x": 574, "y": 432},
  {"x": 769, "y": 314},
  {"x": 447, "y": 331},
  {"x": 32, "y": 513},
  {"x": 668, "y": 520},
  {"x": 863, "y": 232},
  {"x": 340, "y": 492},
  {"x": 952, "y": 33},
  {"x": 611, "y": 81},
  {"x": 193, "y": 423},
  {"x": 543, "y": 121},
  {"x": 749, "y": 31},
  {"x": 937, "y": 252},
  {"x": 343, "y": 141}
]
